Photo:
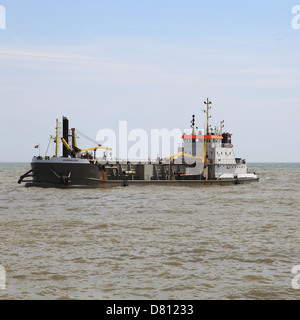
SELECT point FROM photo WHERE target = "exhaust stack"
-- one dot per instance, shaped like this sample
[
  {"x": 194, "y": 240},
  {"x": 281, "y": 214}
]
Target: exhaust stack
[{"x": 65, "y": 136}]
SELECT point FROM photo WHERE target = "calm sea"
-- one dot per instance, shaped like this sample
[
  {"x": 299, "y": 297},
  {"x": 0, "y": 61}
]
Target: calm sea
[{"x": 215, "y": 242}]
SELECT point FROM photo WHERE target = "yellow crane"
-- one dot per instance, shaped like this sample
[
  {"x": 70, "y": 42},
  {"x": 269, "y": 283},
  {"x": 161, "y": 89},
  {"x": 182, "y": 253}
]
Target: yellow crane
[
  {"x": 94, "y": 148},
  {"x": 182, "y": 154},
  {"x": 82, "y": 150}
]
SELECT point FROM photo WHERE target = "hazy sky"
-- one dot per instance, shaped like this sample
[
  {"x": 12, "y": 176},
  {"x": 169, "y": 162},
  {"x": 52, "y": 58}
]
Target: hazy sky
[{"x": 152, "y": 63}]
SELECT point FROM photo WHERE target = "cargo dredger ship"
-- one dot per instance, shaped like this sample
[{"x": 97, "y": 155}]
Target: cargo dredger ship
[{"x": 204, "y": 158}]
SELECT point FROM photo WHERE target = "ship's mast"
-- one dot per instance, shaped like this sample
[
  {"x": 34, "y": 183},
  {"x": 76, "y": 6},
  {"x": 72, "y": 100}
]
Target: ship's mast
[
  {"x": 221, "y": 126},
  {"x": 57, "y": 138},
  {"x": 206, "y": 140},
  {"x": 207, "y": 102},
  {"x": 74, "y": 142},
  {"x": 193, "y": 124}
]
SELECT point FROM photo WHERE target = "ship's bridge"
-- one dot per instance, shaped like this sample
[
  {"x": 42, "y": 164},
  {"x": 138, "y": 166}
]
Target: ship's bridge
[{"x": 192, "y": 142}]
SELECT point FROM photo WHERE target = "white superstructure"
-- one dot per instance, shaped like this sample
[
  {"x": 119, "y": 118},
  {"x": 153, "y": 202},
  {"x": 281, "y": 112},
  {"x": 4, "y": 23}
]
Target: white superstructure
[{"x": 215, "y": 149}]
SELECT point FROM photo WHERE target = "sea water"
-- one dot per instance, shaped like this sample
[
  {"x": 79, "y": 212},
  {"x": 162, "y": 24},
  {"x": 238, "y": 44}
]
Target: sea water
[{"x": 152, "y": 242}]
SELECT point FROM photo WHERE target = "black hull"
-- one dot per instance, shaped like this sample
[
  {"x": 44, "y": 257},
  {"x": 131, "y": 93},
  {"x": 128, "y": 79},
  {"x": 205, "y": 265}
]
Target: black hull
[
  {"x": 222, "y": 182},
  {"x": 113, "y": 183},
  {"x": 72, "y": 174},
  {"x": 64, "y": 175}
]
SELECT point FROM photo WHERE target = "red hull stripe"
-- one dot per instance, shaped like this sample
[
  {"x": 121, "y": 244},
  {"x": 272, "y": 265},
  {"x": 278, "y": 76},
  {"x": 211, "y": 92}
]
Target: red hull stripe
[{"x": 189, "y": 136}]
